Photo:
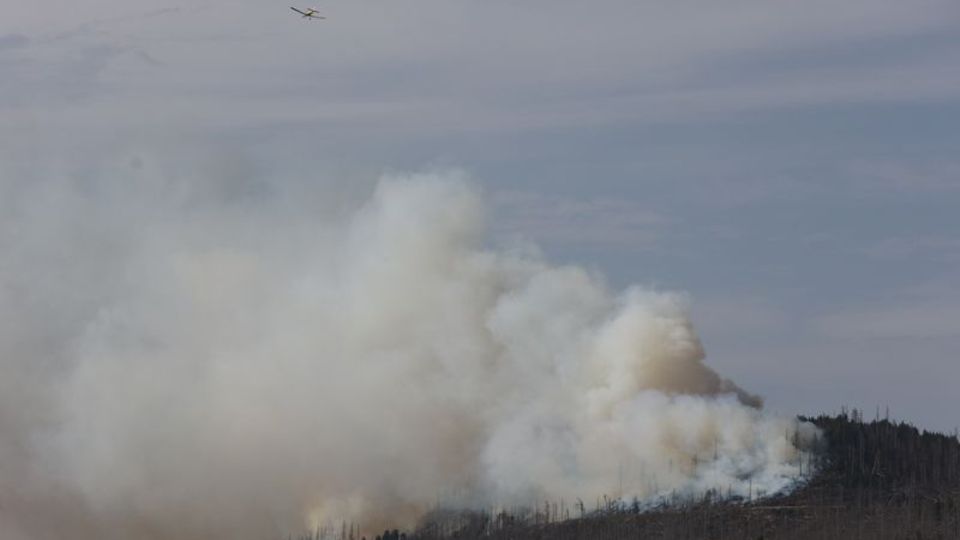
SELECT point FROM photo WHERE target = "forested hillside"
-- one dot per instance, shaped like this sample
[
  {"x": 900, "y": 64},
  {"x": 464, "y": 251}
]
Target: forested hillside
[{"x": 874, "y": 480}]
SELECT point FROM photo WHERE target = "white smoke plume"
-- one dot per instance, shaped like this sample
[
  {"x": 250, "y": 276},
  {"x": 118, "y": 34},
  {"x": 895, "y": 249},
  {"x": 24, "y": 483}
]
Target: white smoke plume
[{"x": 186, "y": 360}]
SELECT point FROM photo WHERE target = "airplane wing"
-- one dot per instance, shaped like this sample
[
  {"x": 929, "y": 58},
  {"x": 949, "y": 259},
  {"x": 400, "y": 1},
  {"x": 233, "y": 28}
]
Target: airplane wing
[{"x": 304, "y": 13}]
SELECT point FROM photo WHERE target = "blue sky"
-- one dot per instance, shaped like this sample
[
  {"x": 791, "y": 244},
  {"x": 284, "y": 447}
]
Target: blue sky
[{"x": 794, "y": 167}]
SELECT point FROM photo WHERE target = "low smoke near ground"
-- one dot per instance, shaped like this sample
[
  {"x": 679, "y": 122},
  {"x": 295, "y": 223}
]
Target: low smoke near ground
[{"x": 239, "y": 360}]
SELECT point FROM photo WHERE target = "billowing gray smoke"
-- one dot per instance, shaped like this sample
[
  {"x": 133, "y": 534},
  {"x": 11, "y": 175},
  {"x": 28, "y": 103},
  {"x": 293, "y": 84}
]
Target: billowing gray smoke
[{"x": 233, "y": 362}]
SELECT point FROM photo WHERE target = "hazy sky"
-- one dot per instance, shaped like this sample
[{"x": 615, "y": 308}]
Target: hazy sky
[{"x": 794, "y": 167}]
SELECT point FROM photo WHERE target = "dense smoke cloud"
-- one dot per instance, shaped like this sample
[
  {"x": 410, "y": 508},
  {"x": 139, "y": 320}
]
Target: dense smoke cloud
[{"x": 183, "y": 359}]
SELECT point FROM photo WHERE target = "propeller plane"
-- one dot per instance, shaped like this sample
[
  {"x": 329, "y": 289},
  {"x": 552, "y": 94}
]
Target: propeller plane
[{"x": 308, "y": 13}]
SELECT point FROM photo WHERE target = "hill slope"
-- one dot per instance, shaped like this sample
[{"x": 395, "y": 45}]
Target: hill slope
[{"x": 876, "y": 480}]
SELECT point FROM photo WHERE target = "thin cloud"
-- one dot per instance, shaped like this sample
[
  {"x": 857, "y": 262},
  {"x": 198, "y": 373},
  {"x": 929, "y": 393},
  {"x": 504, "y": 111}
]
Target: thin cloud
[
  {"x": 913, "y": 321},
  {"x": 555, "y": 220},
  {"x": 13, "y": 41},
  {"x": 561, "y": 67},
  {"x": 880, "y": 176},
  {"x": 929, "y": 247}
]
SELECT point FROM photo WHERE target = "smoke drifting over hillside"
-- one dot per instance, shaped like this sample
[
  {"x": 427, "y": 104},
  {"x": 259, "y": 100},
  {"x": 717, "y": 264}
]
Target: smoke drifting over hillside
[{"x": 235, "y": 362}]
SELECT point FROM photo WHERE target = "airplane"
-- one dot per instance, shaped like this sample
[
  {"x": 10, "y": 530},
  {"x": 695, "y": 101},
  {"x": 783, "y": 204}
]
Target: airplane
[{"x": 310, "y": 13}]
